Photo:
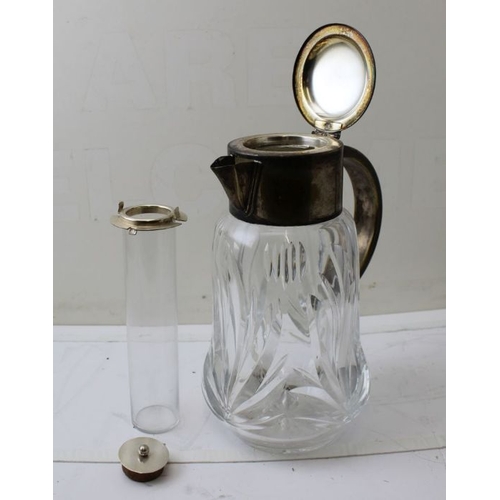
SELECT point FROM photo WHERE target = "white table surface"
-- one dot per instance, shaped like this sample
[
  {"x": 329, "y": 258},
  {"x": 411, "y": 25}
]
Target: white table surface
[{"x": 394, "y": 449}]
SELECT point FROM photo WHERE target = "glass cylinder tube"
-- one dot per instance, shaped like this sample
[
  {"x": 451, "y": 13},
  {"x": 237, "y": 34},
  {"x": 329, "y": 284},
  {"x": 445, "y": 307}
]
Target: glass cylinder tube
[{"x": 151, "y": 305}]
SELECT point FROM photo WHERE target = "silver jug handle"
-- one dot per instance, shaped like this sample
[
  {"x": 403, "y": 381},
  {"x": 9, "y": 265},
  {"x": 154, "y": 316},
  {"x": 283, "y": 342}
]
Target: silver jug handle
[{"x": 368, "y": 203}]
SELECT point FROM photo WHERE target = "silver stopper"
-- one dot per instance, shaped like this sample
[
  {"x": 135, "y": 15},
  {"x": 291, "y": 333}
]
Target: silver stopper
[{"x": 143, "y": 459}]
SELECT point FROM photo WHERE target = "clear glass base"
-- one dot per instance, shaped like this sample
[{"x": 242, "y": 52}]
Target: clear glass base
[
  {"x": 286, "y": 369},
  {"x": 282, "y": 441},
  {"x": 155, "y": 419}
]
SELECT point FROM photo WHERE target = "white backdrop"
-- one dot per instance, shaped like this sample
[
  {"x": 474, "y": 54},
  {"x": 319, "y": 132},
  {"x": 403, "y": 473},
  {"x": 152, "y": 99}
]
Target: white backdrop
[{"x": 147, "y": 93}]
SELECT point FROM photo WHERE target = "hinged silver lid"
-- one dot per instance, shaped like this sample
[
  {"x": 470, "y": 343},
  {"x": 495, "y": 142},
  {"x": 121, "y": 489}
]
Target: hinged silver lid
[
  {"x": 143, "y": 458},
  {"x": 334, "y": 78}
]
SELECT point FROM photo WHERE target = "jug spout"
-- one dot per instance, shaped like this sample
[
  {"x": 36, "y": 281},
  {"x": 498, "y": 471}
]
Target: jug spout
[{"x": 239, "y": 180}]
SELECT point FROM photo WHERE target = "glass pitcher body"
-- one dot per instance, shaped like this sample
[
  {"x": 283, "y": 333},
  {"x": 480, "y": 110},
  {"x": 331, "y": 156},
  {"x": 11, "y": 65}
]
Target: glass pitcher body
[{"x": 285, "y": 367}]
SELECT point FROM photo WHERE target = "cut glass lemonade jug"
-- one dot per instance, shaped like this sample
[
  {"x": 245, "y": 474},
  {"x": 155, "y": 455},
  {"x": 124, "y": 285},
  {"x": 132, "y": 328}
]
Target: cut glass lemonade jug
[{"x": 285, "y": 368}]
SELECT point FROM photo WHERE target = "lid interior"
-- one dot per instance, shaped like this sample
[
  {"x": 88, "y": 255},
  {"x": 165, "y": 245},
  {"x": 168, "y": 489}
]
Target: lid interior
[
  {"x": 334, "y": 77},
  {"x": 338, "y": 79}
]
